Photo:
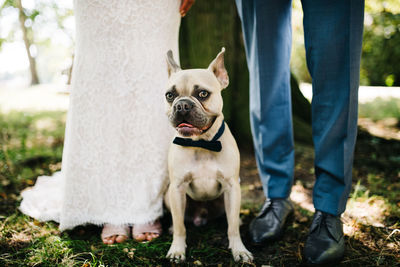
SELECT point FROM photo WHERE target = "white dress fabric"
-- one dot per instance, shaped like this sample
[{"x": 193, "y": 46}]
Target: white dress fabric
[{"x": 114, "y": 166}]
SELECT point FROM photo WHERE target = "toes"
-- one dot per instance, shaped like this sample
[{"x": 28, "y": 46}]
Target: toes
[
  {"x": 112, "y": 239},
  {"x": 151, "y": 236},
  {"x": 146, "y": 237},
  {"x": 114, "y": 233},
  {"x": 244, "y": 256},
  {"x": 140, "y": 237},
  {"x": 176, "y": 257},
  {"x": 109, "y": 240},
  {"x": 121, "y": 238},
  {"x": 115, "y": 238},
  {"x": 176, "y": 252},
  {"x": 155, "y": 235}
]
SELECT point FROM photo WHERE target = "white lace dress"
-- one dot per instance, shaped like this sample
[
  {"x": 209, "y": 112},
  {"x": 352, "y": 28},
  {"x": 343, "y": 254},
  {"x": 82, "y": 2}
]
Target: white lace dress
[{"x": 117, "y": 134}]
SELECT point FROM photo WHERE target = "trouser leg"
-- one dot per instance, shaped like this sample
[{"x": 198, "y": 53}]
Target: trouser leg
[
  {"x": 267, "y": 33},
  {"x": 333, "y": 36}
]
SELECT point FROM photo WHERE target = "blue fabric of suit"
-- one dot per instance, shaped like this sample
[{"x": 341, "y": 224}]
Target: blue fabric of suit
[{"x": 333, "y": 36}]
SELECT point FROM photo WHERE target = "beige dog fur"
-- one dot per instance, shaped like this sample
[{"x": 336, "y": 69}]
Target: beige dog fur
[{"x": 200, "y": 173}]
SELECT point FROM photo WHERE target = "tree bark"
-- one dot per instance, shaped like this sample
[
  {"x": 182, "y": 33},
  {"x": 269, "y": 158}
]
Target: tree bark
[{"x": 27, "y": 42}]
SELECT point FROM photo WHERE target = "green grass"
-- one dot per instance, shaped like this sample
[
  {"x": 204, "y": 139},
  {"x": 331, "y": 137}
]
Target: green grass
[
  {"x": 379, "y": 109},
  {"x": 31, "y": 145}
]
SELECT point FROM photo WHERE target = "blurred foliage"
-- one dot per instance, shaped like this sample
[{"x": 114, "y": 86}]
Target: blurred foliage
[
  {"x": 25, "y": 18},
  {"x": 48, "y": 29},
  {"x": 376, "y": 6},
  {"x": 381, "y": 44},
  {"x": 381, "y": 49},
  {"x": 43, "y": 13}
]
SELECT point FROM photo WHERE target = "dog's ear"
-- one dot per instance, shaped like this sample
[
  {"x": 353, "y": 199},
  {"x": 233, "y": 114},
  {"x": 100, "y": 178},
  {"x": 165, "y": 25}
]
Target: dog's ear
[
  {"x": 172, "y": 65},
  {"x": 217, "y": 66}
]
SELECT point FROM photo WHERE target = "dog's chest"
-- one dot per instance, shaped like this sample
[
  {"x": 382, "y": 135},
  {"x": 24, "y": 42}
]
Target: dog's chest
[
  {"x": 203, "y": 164},
  {"x": 206, "y": 177}
]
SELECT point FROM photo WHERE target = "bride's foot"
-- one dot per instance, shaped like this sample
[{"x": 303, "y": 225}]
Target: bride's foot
[
  {"x": 147, "y": 231},
  {"x": 114, "y": 233}
]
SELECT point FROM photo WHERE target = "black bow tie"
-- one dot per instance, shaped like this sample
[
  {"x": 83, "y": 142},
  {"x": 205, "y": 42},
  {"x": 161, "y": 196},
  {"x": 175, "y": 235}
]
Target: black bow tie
[{"x": 213, "y": 145}]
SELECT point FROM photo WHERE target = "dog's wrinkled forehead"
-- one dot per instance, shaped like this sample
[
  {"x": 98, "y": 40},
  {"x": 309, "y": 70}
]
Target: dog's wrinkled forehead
[
  {"x": 214, "y": 77},
  {"x": 187, "y": 81}
]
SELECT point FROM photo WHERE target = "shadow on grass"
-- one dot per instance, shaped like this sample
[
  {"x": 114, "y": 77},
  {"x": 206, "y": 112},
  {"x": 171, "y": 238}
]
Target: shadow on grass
[
  {"x": 27, "y": 150},
  {"x": 207, "y": 245}
]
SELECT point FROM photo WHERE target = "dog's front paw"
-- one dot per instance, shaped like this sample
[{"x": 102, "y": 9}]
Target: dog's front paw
[
  {"x": 176, "y": 253},
  {"x": 242, "y": 255},
  {"x": 239, "y": 251}
]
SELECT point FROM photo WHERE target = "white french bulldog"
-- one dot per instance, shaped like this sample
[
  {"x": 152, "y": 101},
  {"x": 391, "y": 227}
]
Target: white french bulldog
[{"x": 203, "y": 160}]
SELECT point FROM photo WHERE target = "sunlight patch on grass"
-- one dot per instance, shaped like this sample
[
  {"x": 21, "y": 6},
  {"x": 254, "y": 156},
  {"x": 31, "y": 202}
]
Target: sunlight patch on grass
[
  {"x": 386, "y": 128},
  {"x": 363, "y": 209},
  {"x": 381, "y": 117},
  {"x": 51, "y": 250},
  {"x": 368, "y": 210},
  {"x": 302, "y": 196},
  {"x": 20, "y": 237},
  {"x": 21, "y": 228}
]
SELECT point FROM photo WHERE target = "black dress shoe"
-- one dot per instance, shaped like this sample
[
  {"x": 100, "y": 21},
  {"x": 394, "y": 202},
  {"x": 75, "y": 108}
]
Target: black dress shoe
[
  {"x": 269, "y": 224},
  {"x": 325, "y": 242}
]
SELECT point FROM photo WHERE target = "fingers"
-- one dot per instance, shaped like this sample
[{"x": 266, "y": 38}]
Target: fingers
[{"x": 185, "y": 6}]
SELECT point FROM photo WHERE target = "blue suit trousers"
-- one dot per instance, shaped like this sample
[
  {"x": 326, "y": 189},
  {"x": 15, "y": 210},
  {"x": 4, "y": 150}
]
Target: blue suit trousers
[{"x": 333, "y": 37}]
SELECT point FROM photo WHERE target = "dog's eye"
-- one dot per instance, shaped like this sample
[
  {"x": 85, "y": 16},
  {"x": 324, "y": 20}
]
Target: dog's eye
[
  {"x": 169, "y": 96},
  {"x": 203, "y": 94}
]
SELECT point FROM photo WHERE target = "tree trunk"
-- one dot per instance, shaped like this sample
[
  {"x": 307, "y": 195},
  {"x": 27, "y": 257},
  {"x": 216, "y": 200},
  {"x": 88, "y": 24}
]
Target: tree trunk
[
  {"x": 301, "y": 110},
  {"x": 27, "y": 42},
  {"x": 211, "y": 25}
]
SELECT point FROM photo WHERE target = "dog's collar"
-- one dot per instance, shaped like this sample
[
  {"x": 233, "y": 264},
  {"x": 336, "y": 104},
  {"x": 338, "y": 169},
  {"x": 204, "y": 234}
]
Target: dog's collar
[{"x": 213, "y": 145}]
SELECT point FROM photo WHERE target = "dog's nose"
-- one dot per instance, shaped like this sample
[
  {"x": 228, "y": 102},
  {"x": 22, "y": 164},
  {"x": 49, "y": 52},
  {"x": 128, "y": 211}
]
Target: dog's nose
[{"x": 183, "y": 106}]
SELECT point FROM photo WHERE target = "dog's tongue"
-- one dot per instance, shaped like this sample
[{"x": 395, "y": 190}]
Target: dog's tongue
[
  {"x": 187, "y": 129},
  {"x": 184, "y": 124}
]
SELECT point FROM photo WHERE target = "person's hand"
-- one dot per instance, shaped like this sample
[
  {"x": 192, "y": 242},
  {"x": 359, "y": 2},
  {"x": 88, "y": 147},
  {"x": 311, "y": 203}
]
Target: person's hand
[{"x": 185, "y": 6}]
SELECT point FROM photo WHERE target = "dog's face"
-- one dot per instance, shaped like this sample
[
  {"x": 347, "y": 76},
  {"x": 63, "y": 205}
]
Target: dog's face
[{"x": 193, "y": 96}]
